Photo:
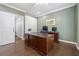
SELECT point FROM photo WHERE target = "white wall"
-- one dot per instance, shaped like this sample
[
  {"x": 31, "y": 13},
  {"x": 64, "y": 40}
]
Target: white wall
[
  {"x": 19, "y": 26},
  {"x": 7, "y": 26},
  {"x": 30, "y": 22}
]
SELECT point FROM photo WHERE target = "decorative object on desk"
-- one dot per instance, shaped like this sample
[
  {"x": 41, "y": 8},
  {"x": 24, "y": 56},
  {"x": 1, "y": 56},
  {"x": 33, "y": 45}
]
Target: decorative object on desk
[
  {"x": 50, "y": 22},
  {"x": 29, "y": 30}
]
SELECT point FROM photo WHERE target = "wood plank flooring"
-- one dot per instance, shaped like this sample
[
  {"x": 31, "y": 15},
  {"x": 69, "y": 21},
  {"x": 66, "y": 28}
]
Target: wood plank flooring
[{"x": 20, "y": 49}]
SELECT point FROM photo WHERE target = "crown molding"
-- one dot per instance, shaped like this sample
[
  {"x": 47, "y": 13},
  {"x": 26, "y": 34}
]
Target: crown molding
[
  {"x": 71, "y": 5},
  {"x": 10, "y": 6}
]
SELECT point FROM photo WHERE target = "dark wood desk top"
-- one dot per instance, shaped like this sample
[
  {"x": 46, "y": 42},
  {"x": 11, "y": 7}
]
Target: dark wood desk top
[
  {"x": 53, "y": 32},
  {"x": 43, "y": 35}
]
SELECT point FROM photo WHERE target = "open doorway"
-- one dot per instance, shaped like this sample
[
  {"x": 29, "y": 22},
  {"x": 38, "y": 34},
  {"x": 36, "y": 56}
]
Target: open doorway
[{"x": 19, "y": 27}]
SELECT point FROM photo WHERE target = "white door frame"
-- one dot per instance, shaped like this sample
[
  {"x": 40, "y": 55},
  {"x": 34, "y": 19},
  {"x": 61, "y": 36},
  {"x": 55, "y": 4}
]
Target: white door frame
[{"x": 20, "y": 35}]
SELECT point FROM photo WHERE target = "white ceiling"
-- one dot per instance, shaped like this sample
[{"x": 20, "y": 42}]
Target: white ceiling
[{"x": 40, "y": 9}]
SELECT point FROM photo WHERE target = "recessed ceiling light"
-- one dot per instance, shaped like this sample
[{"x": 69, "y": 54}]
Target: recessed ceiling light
[
  {"x": 38, "y": 12},
  {"x": 41, "y": 3},
  {"x": 36, "y": 3},
  {"x": 45, "y": 3}
]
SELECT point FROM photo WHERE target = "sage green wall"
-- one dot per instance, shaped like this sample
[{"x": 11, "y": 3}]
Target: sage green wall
[
  {"x": 10, "y": 10},
  {"x": 64, "y": 23},
  {"x": 78, "y": 24},
  {"x": 75, "y": 23}
]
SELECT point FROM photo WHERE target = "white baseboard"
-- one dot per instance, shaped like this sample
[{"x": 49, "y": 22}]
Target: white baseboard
[
  {"x": 21, "y": 38},
  {"x": 77, "y": 46},
  {"x": 70, "y": 42},
  {"x": 67, "y": 41}
]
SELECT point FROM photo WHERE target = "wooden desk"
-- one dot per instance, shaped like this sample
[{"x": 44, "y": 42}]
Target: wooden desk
[
  {"x": 56, "y": 36},
  {"x": 40, "y": 42}
]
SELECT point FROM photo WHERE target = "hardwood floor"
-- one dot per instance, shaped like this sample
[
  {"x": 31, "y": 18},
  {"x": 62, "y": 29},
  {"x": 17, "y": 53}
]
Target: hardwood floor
[{"x": 20, "y": 49}]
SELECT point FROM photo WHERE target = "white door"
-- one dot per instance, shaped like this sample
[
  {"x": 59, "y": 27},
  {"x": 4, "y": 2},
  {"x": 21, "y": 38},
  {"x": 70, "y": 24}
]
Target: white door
[
  {"x": 19, "y": 26},
  {"x": 7, "y": 27},
  {"x": 30, "y": 23}
]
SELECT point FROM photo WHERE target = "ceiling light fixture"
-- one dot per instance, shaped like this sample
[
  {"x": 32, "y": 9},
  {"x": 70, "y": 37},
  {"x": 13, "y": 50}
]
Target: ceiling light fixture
[
  {"x": 38, "y": 12},
  {"x": 41, "y": 3},
  {"x": 45, "y": 3}
]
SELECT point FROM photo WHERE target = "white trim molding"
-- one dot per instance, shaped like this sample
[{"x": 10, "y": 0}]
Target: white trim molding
[
  {"x": 70, "y": 42},
  {"x": 21, "y": 37},
  {"x": 13, "y": 7},
  {"x": 77, "y": 46},
  {"x": 67, "y": 41},
  {"x": 68, "y": 6}
]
